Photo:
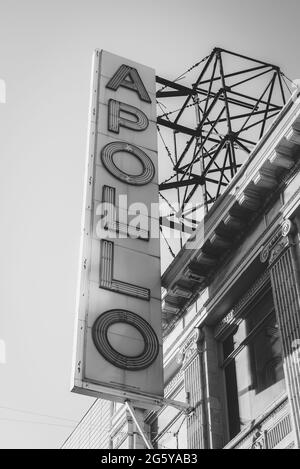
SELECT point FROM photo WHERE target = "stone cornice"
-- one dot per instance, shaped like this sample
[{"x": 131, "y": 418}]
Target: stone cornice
[{"x": 273, "y": 158}]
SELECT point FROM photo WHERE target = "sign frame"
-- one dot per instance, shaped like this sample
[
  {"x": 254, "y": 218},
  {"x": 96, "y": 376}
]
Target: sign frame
[{"x": 80, "y": 384}]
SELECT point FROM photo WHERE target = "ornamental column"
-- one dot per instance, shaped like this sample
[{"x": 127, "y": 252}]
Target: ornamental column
[
  {"x": 192, "y": 365},
  {"x": 201, "y": 372},
  {"x": 284, "y": 272}
]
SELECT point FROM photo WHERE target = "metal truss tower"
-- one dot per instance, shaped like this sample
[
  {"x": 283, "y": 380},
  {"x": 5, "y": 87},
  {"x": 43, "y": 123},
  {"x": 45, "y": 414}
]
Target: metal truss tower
[{"x": 220, "y": 114}]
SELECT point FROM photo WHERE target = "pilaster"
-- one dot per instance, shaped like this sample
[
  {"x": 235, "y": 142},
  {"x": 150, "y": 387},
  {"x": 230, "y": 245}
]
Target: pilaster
[{"x": 281, "y": 257}]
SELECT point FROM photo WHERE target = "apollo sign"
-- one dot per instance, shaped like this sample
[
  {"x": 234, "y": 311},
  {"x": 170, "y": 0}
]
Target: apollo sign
[{"x": 118, "y": 345}]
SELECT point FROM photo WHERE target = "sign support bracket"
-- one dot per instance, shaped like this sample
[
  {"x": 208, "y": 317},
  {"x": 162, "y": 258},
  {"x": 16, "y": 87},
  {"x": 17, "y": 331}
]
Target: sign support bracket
[
  {"x": 182, "y": 406},
  {"x": 130, "y": 408}
]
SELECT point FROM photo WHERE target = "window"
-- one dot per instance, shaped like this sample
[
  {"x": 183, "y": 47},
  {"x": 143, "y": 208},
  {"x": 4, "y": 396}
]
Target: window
[{"x": 252, "y": 365}]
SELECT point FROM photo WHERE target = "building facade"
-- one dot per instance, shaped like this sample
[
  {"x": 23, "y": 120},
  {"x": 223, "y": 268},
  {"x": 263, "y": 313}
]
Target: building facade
[{"x": 231, "y": 317}]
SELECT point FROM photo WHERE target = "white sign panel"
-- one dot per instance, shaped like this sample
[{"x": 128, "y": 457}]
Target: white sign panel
[{"x": 118, "y": 352}]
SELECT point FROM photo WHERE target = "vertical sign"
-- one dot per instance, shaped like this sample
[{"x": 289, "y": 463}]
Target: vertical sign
[{"x": 118, "y": 350}]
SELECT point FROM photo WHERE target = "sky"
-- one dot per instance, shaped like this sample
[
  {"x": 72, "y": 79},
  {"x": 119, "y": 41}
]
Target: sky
[{"x": 45, "y": 59}]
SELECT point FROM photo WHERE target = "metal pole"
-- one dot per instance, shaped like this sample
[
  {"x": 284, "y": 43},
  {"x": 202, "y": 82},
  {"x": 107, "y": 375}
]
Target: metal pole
[{"x": 138, "y": 426}]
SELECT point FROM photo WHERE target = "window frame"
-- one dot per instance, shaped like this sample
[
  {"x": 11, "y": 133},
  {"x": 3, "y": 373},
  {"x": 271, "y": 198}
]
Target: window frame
[
  {"x": 247, "y": 303},
  {"x": 246, "y": 341}
]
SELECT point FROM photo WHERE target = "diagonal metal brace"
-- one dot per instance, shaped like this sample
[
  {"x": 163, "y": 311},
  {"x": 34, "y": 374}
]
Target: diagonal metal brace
[{"x": 138, "y": 426}]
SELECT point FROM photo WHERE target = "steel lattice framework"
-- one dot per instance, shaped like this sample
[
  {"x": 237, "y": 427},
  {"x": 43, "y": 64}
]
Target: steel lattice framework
[{"x": 217, "y": 121}]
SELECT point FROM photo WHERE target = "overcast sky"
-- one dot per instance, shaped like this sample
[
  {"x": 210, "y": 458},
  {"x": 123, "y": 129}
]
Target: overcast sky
[{"x": 45, "y": 58}]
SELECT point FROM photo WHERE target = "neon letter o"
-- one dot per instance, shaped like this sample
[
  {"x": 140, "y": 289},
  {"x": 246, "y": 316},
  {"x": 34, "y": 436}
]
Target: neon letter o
[
  {"x": 147, "y": 173},
  {"x": 102, "y": 344}
]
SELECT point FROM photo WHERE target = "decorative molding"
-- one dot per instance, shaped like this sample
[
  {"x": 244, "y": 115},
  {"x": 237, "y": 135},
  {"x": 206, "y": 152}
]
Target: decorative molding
[
  {"x": 287, "y": 228},
  {"x": 249, "y": 199},
  {"x": 207, "y": 278},
  {"x": 193, "y": 274},
  {"x": 293, "y": 200},
  {"x": 266, "y": 249},
  {"x": 190, "y": 347},
  {"x": 278, "y": 243},
  {"x": 168, "y": 308},
  {"x": 258, "y": 439},
  {"x": 278, "y": 249},
  {"x": 265, "y": 178},
  {"x": 181, "y": 291}
]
